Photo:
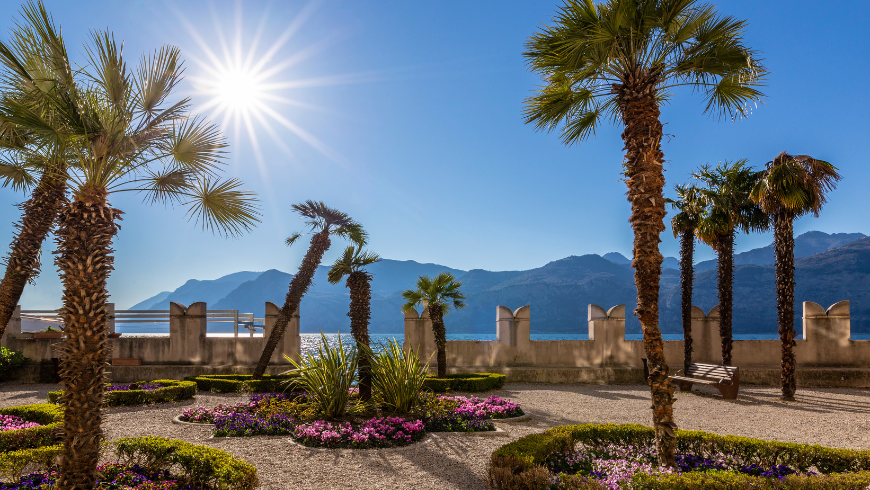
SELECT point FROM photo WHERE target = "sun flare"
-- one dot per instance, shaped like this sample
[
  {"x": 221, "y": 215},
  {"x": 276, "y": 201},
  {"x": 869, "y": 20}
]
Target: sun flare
[{"x": 237, "y": 90}]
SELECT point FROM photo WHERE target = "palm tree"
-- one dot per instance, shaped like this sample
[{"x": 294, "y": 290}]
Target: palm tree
[
  {"x": 684, "y": 225},
  {"x": 728, "y": 209},
  {"x": 619, "y": 60},
  {"x": 325, "y": 221},
  {"x": 438, "y": 294},
  {"x": 791, "y": 186},
  {"x": 125, "y": 138},
  {"x": 352, "y": 264}
]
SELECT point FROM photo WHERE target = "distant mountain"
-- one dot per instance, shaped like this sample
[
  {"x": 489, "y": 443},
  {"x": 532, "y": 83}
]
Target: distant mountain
[
  {"x": 810, "y": 243},
  {"x": 559, "y": 291},
  {"x": 618, "y": 258},
  {"x": 153, "y": 300}
]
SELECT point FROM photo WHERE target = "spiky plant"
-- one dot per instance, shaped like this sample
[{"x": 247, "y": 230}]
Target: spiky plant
[
  {"x": 125, "y": 137},
  {"x": 439, "y": 294},
  {"x": 684, "y": 224},
  {"x": 619, "y": 60},
  {"x": 726, "y": 192},
  {"x": 352, "y": 263},
  {"x": 791, "y": 186},
  {"x": 323, "y": 222}
]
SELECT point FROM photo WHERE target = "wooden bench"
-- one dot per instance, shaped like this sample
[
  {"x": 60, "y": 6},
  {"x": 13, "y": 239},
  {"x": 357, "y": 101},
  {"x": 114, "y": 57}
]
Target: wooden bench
[{"x": 726, "y": 379}]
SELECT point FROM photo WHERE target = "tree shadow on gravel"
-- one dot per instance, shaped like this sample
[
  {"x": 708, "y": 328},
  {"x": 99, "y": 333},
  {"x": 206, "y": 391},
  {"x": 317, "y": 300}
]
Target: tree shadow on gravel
[{"x": 807, "y": 400}]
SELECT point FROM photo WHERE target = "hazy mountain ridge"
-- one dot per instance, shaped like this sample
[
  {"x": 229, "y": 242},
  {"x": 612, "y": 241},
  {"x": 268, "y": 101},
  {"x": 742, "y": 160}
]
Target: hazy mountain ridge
[{"x": 560, "y": 291}]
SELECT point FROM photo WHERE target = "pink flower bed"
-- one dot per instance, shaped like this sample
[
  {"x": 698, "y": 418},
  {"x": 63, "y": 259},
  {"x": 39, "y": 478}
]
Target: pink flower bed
[
  {"x": 376, "y": 432},
  {"x": 205, "y": 415},
  {"x": 493, "y": 407},
  {"x": 11, "y": 422}
]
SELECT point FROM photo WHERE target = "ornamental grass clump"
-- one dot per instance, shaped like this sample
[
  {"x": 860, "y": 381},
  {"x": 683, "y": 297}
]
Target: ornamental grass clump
[
  {"x": 327, "y": 376},
  {"x": 397, "y": 378}
]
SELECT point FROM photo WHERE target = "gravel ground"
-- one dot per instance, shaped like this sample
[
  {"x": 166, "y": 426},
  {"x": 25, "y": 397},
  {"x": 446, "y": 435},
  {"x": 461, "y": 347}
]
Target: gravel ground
[{"x": 831, "y": 417}]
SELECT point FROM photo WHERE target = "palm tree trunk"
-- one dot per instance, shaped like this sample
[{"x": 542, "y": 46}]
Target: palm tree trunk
[
  {"x": 298, "y": 287},
  {"x": 84, "y": 257},
  {"x": 783, "y": 239},
  {"x": 645, "y": 180},
  {"x": 39, "y": 215},
  {"x": 725, "y": 254},
  {"x": 440, "y": 332},
  {"x": 687, "y": 276},
  {"x": 360, "y": 314}
]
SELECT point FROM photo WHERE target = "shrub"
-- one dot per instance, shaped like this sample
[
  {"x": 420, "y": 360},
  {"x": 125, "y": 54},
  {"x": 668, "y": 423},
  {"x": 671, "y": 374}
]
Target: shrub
[
  {"x": 236, "y": 383},
  {"x": 327, "y": 376},
  {"x": 170, "y": 391},
  {"x": 50, "y": 418},
  {"x": 13, "y": 464},
  {"x": 470, "y": 383},
  {"x": 397, "y": 377},
  {"x": 531, "y": 451},
  {"x": 202, "y": 465},
  {"x": 9, "y": 360}
]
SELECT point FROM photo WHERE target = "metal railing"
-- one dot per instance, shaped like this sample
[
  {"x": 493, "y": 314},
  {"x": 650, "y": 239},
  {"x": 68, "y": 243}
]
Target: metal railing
[{"x": 159, "y": 317}]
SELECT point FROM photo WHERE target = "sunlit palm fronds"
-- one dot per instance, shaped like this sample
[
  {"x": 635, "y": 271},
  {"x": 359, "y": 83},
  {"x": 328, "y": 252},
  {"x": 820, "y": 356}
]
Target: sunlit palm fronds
[{"x": 353, "y": 259}]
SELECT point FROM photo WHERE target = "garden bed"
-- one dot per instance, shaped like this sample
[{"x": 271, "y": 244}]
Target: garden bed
[
  {"x": 469, "y": 383},
  {"x": 142, "y": 393},
  {"x": 611, "y": 456},
  {"x": 238, "y": 383},
  {"x": 29, "y": 426}
]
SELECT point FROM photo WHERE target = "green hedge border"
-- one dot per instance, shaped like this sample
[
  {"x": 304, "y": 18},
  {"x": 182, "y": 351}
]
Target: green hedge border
[
  {"x": 236, "y": 383},
  {"x": 202, "y": 465},
  {"x": 172, "y": 391},
  {"x": 517, "y": 462},
  {"x": 50, "y": 418},
  {"x": 468, "y": 382}
]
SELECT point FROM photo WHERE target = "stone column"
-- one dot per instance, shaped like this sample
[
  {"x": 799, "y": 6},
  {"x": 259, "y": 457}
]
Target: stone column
[
  {"x": 616, "y": 351},
  {"x": 504, "y": 326},
  {"x": 13, "y": 328},
  {"x": 827, "y": 334},
  {"x": 597, "y": 321},
  {"x": 187, "y": 330},
  {"x": 418, "y": 335}
]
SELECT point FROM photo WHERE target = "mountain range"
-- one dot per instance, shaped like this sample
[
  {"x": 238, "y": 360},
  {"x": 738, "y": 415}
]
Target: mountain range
[{"x": 829, "y": 268}]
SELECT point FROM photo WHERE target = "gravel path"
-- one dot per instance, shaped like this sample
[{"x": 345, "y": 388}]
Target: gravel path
[{"x": 831, "y": 417}]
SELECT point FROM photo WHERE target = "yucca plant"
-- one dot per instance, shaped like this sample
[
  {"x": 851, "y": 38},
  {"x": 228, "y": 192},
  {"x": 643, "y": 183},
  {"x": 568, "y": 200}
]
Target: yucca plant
[
  {"x": 327, "y": 376},
  {"x": 397, "y": 377}
]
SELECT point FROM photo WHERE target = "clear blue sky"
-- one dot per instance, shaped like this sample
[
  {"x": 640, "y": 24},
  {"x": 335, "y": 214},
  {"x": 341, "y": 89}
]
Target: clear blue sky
[{"x": 416, "y": 112}]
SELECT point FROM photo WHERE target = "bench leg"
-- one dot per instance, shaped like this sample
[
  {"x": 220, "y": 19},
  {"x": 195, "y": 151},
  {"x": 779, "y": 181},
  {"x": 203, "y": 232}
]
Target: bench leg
[{"x": 729, "y": 392}]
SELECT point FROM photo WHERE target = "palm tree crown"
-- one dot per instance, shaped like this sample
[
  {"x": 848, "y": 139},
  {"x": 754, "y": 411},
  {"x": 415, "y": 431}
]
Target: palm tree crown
[
  {"x": 795, "y": 184},
  {"x": 324, "y": 218},
  {"x": 443, "y": 290},
  {"x": 726, "y": 193},
  {"x": 592, "y": 49},
  {"x": 354, "y": 259},
  {"x": 690, "y": 208}
]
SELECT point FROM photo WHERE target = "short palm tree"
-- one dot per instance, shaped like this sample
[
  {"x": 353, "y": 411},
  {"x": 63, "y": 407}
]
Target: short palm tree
[
  {"x": 684, "y": 225},
  {"x": 791, "y": 186},
  {"x": 619, "y": 60},
  {"x": 324, "y": 221},
  {"x": 125, "y": 138},
  {"x": 725, "y": 192},
  {"x": 352, "y": 264},
  {"x": 439, "y": 295}
]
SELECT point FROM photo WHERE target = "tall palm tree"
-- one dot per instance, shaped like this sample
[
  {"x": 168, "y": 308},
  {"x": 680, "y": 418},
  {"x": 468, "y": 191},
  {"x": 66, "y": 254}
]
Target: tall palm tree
[
  {"x": 620, "y": 60},
  {"x": 352, "y": 264},
  {"x": 324, "y": 221},
  {"x": 684, "y": 225},
  {"x": 791, "y": 187},
  {"x": 726, "y": 193},
  {"x": 126, "y": 137},
  {"x": 438, "y": 294}
]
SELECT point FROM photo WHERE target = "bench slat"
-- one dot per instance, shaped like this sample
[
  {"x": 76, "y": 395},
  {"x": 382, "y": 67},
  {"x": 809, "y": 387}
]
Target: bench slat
[{"x": 694, "y": 380}]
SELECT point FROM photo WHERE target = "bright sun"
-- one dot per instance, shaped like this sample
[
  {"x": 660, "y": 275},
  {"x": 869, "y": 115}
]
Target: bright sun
[{"x": 237, "y": 90}]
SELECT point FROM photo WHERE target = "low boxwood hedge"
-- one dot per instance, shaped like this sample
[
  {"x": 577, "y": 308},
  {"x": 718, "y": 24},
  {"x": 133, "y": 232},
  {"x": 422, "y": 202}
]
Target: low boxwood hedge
[
  {"x": 171, "y": 391},
  {"x": 14, "y": 464},
  {"x": 235, "y": 383},
  {"x": 202, "y": 465},
  {"x": 465, "y": 382},
  {"x": 519, "y": 463},
  {"x": 50, "y": 418}
]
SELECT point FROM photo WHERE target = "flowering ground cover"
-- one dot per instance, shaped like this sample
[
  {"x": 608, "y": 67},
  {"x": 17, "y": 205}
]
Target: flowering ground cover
[
  {"x": 243, "y": 424},
  {"x": 111, "y": 476},
  {"x": 375, "y": 432},
  {"x": 11, "y": 422},
  {"x": 613, "y": 466},
  {"x": 493, "y": 407}
]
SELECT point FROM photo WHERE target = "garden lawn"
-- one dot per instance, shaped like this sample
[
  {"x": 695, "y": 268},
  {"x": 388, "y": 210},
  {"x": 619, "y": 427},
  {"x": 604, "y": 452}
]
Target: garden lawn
[{"x": 835, "y": 418}]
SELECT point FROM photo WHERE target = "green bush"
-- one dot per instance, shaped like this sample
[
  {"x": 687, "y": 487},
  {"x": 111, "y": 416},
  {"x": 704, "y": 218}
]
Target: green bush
[
  {"x": 202, "y": 465},
  {"x": 471, "y": 383},
  {"x": 236, "y": 383},
  {"x": 14, "y": 464},
  {"x": 397, "y": 377},
  {"x": 172, "y": 391},
  {"x": 9, "y": 360},
  {"x": 723, "y": 480},
  {"x": 49, "y": 416},
  {"x": 840, "y": 466}
]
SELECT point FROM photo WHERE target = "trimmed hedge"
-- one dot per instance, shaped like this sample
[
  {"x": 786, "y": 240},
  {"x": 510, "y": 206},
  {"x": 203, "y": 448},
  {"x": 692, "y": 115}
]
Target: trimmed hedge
[
  {"x": 473, "y": 383},
  {"x": 14, "y": 464},
  {"x": 202, "y": 465},
  {"x": 172, "y": 391},
  {"x": 843, "y": 468},
  {"x": 235, "y": 383},
  {"x": 50, "y": 418}
]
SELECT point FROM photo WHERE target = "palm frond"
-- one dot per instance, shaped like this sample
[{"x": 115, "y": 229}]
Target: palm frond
[
  {"x": 165, "y": 186},
  {"x": 222, "y": 207},
  {"x": 290, "y": 240},
  {"x": 195, "y": 145},
  {"x": 156, "y": 77},
  {"x": 18, "y": 175}
]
